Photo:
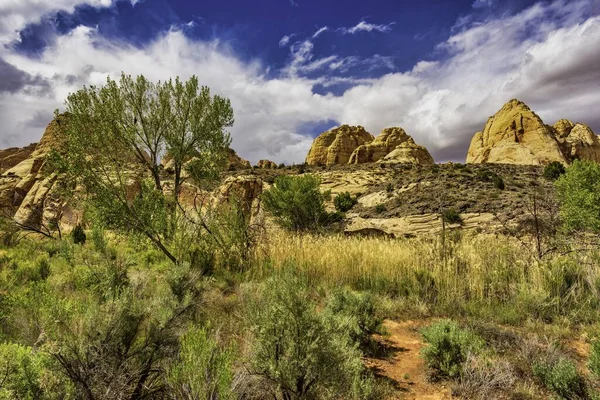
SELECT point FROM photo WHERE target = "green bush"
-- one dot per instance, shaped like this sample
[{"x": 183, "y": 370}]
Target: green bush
[
  {"x": 451, "y": 216},
  {"x": 380, "y": 208},
  {"x": 562, "y": 378},
  {"x": 344, "y": 201},
  {"x": 447, "y": 347},
  {"x": 554, "y": 170},
  {"x": 78, "y": 235},
  {"x": 389, "y": 188},
  {"x": 354, "y": 313},
  {"x": 296, "y": 352},
  {"x": 498, "y": 182},
  {"x": 594, "y": 360},
  {"x": 578, "y": 191},
  {"x": 296, "y": 202},
  {"x": 203, "y": 369}
]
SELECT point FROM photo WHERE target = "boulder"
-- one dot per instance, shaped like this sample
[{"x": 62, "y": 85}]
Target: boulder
[
  {"x": 244, "y": 189},
  {"x": 408, "y": 152},
  {"x": 337, "y": 145},
  {"x": 266, "y": 164},
  {"x": 388, "y": 140}
]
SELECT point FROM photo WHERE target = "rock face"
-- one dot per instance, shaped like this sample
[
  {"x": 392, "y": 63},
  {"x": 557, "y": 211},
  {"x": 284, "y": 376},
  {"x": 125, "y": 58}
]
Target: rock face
[
  {"x": 393, "y": 145},
  {"x": 336, "y": 145},
  {"x": 27, "y": 190},
  {"x": 236, "y": 162},
  {"x": 408, "y": 153},
  {"x": 266, "y": 164},
  {"x": 517, "y": 135},
  {"x": 13, "y": 156}
]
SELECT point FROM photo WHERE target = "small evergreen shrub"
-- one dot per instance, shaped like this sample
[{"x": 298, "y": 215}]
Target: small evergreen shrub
[
  {"x": 380, "y": 208},
  {"x": 344, "y": 201},
  {"x": 296, "y": 202},
  {"x": 354, "y": 313},
  {"x": 78, "y": 235},
  {"x": 554, "y": 170},
  {"x": 389, "y": 188},
  {"x": 451, "y": 216},
  {"x": 448, "y": 346},
  {"x": 295, "y": 350},
  {"x": 562, "y": 378},
  {"x": 498, "y": 182}
]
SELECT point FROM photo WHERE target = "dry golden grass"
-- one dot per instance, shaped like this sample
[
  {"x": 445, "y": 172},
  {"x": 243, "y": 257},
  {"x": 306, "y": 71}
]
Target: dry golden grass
[{"x": 483, "y": 271}]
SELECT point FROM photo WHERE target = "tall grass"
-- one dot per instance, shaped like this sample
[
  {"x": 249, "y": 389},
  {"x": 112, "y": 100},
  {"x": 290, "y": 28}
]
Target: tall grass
[{"x": 473, "y": 273}]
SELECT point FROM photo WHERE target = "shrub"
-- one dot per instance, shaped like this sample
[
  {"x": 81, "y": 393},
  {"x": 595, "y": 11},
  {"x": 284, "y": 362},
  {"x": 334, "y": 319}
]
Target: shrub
[
  {"x": 78, "y": 235},
  {"x": 355, "y": 314},
  {"x": 281, "y": 166},
  {"x": 451, "y": 216},
  {"x": 296, "y": 202},
  {"x": 389, "y": 188},
  {"x": 448, "y": 347},
  {"x": 380, "y": 208},
  {"x": 295, "y": 351},
  {"x": 498, "y": 182},
  {"x": 562, "y": 378},
  {"x": 203, "y": 369},
  {"x": 579, "y": 193},
  {"x": 554, "y": 170},
  {"x": 344, "y": 201}
]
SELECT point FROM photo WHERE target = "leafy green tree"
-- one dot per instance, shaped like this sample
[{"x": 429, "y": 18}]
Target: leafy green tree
[
  {"x": 296, "y": 202},
  {"x": 579, "y": 193},
  {"x": 116, "y": 136}
]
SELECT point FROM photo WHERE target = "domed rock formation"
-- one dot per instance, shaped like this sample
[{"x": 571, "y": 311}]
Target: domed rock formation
[
  {"x": 563, "y": 127},
  {"x": 266, "y": 164},
  {"x": 515, "y": 135},
  {"x": 388, "y": 140},
  {"x": 408, "y": 152},
  {"x": 336, "y": 145},
  {"x": 580, "y": 143}
]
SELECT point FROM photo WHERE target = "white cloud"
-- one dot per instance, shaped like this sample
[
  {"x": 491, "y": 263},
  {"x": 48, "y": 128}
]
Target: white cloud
[
  {"x": 321, "y": 30},
  {"x": 546, "y": 55},
  {"x": 483, "y": 3},
  {"x": 364, "y": 26}
]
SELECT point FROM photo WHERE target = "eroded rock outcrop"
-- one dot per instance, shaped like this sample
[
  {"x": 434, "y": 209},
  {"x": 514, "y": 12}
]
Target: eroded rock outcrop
[
  {"x": 393, "y": 145},
  {"x": 517, "y": 135},
  {"x": 335, "y": 146},
  {"x": 266, "y": 164},
  {"x": 236, "y": 162},
  {"x": 408, "y": 152}
]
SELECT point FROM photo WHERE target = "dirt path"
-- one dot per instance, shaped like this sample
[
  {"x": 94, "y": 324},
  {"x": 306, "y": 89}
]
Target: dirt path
[{"x": 402, "y": 364}]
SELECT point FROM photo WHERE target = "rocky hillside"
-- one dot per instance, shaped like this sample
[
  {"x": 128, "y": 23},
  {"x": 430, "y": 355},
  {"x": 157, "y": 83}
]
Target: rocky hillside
[{"x": 517, "y": 135}]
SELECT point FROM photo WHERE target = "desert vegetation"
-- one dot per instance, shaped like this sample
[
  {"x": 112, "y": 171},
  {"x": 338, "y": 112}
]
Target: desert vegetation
[{"x": 169, "y": 289}]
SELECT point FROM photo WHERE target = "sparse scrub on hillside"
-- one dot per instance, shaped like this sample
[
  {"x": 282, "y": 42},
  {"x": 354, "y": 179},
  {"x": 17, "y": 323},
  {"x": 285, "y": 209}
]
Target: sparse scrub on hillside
[
  {"x": 562, "y": 378},
  {"x": 451, "y": 216},
  {"x": 554, "y": 170}
]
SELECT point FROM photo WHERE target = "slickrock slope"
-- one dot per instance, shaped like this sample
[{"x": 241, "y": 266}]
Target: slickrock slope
[
  {"x": 517, "y": 135},
  {"x": 336, "y": 145}
]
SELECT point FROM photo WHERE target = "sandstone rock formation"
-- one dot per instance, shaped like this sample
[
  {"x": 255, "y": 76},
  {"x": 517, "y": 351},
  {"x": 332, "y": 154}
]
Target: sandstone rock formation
[
  {"x": 336, "y": 145},
  {"x": 388, "y": 140},
  {"x": 408, "y": 153},
  {"x": 27, "y": 190},
  {"x": 14, "y": 155},
  {"x": 236, "y": 162},
  {"x": 516, "y": 135},
  {"x": 266, "y": 164}
]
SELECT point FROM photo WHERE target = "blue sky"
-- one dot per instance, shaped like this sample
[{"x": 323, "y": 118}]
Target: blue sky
[{"x": 294, "y": 68}]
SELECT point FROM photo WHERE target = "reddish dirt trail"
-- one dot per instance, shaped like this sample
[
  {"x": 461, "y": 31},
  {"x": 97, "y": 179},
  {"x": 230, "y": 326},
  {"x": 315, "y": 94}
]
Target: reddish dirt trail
[{"x": 403, "y": 365}]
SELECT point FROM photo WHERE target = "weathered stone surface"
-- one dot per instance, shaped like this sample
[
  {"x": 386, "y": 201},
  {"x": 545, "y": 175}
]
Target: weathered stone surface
[
  {"x": 266, "y": 164},
  {"x": 581, "y": 144},
  {"x": 563, "y": 128},
  {"x": 235, "y": 161},
  {"x": 408, "y": 152},
  {"x": 388, "y": 140},
  {"x": 15, "y": 155},
  {"x": 336, "y": 145},
  {"x": 515, "y": 135},
  {"x": 244, "y": 189}
]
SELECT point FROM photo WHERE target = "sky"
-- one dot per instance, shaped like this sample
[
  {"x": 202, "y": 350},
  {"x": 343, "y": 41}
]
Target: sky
[{"x": 295, "y": 68}]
